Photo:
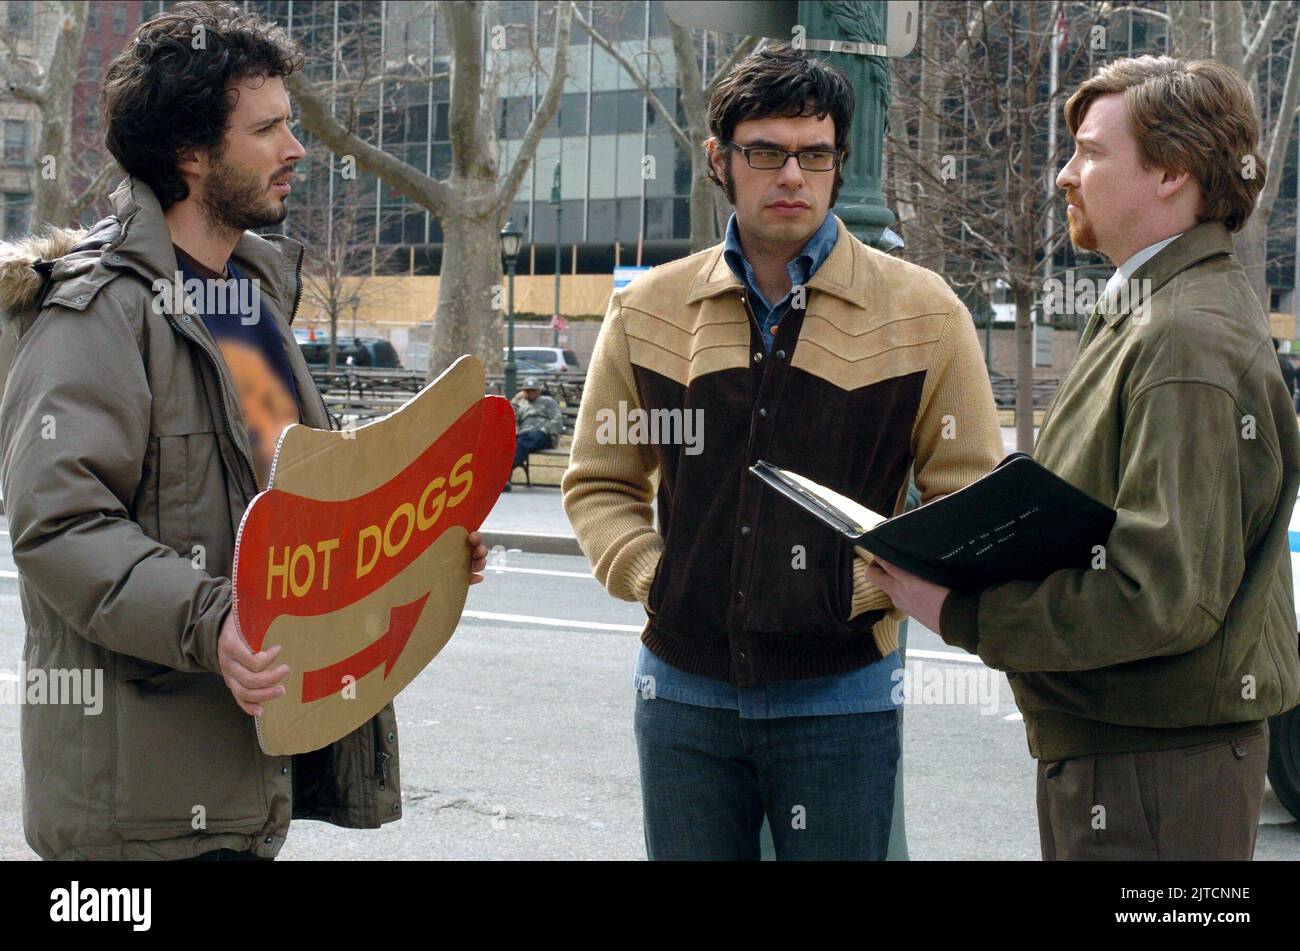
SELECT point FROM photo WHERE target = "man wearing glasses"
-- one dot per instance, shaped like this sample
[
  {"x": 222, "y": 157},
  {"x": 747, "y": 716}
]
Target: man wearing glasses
[{"x": 766, "y": 674}]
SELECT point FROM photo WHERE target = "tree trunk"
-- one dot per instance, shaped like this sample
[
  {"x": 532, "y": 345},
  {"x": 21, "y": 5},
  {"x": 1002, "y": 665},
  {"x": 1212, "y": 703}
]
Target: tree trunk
[
  {"x": 52, "y": 201},
  {"x": 703, "y": 219},
  {"x": 465, "y": 321},
  {"x": 1024, "y": 369}
]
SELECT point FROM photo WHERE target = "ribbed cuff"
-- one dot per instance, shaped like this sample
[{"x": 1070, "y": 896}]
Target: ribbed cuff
[
  {"x": 959, "y": 621},
  {"x": 866, "y": 596},
  {"x": 642, "y": 572}
]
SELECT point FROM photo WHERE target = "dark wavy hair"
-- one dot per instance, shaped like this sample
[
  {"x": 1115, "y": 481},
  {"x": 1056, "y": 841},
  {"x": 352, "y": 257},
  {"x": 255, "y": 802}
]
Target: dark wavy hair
[
  {"x": 779, "y": 80},
  {"x": 162, "y": 96}
]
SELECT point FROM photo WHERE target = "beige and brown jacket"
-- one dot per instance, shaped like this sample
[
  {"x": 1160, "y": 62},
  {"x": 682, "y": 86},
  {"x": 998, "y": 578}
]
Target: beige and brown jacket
[
  {"x": 880, "y": 374},
  {"x": 126, "y": 470}
]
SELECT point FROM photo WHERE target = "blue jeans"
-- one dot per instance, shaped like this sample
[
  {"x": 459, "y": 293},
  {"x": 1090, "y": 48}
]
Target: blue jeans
[
  {"x": 530, "y": 441},
  {"x": 826, "y": 783}
]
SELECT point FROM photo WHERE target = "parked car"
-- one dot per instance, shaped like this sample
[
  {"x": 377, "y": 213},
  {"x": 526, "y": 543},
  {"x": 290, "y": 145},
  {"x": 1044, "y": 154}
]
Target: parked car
[
  {"x": 551, "y": 359},
  {"x": 352, "y": 352},
  {"x": 523, "y": 367}
]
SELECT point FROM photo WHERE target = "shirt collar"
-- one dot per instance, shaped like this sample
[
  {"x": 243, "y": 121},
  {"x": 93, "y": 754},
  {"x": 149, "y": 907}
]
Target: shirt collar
[
  {"x": 801, "y": 268},
  {"x": 1127, "y": 269}
]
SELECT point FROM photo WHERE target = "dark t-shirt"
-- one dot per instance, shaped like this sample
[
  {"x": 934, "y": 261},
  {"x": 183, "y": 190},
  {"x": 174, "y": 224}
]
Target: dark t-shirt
[{"x": 254, "y": 351}]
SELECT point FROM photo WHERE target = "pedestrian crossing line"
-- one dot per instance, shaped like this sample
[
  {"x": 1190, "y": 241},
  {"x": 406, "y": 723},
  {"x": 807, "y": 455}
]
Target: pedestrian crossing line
[
  {"x": 9, "y": 574},
  {"x": 553, "y": 621},
  {"x": 544, "y": 571},
  {"x": 919, "y": 654}
]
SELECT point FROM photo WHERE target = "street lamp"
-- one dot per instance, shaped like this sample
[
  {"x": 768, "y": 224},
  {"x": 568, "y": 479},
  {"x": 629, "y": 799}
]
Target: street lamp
[
  {"x": 510, "y": 239},
  {"x": 555, "y": 203}
]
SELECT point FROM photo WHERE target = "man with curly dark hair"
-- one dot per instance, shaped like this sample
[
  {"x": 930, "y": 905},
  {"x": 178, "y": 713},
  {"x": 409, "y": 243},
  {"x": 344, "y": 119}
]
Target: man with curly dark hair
[{"x": 137, "y": 424}]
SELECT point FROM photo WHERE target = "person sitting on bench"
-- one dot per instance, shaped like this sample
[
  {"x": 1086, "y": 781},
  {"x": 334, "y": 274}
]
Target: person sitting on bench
[{"x": 538, "y": 422}]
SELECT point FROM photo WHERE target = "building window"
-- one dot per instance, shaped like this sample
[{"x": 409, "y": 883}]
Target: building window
[
  {"x": 92, "y": 18},
  {"x": 92, "y": 63},
  {"x": 119, "y": 19},
  {"x": 15, "y": 143},
  {"x": 17, "y": 206}
]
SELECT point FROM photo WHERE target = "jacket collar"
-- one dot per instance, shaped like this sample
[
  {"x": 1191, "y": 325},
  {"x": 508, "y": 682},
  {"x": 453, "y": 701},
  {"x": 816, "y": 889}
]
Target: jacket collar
[
  {"x": 144, "y": 245},
  {"x": 843, "y": 273},
  {"x": 1206, "y": 240}
]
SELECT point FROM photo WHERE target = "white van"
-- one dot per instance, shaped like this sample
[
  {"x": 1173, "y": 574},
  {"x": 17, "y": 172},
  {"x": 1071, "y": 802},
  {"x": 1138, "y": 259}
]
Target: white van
[{"x": 551, "y": 359}]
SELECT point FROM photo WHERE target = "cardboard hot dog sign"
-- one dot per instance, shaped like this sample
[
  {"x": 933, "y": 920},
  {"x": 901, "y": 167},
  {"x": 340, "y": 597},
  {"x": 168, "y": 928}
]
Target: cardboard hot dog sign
[{"x": 354, "y": 558}]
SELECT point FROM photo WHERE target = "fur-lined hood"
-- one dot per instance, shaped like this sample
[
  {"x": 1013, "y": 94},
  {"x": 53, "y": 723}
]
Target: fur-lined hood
[
  {"x": 20, "y": 282},
  {"x": 77, "y": 264}
]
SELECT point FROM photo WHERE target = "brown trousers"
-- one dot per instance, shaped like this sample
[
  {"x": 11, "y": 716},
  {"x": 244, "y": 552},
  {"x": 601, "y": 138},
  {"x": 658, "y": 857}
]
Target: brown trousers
[{"x": 1199, "y": 802}]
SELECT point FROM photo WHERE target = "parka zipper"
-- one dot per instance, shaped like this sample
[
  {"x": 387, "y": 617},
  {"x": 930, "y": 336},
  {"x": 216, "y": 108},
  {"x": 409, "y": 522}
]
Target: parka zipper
[{"x": 225, "y": 412}]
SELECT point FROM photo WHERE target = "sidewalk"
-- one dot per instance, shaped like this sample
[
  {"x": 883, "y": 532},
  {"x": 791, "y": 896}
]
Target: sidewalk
[{"x": 532, "y": 519}]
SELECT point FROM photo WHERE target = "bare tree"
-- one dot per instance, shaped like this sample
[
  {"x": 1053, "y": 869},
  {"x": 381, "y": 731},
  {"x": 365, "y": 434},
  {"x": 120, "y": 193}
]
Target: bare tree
[
  {"x": 46, "y": 77},
  {"x": 338, "y": 273},
  {"x": 473, "y": 201},
  {"x": 1244, "y": 39},
  {"x": 705, "y": 196},
  {"x": 971, "y": 154}
]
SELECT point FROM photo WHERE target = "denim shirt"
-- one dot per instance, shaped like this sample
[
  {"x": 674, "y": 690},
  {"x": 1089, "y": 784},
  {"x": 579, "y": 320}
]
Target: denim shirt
[
  {"x": 868, "y": 689},
  {"x": 800, "y": 270}
]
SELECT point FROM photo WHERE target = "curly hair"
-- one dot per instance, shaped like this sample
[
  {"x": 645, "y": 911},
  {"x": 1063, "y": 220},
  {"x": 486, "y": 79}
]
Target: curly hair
[
  {"x": 169, "y": 89},
  {"x": 779, "y": 81},
  {"x": 1196, "y": 116}
]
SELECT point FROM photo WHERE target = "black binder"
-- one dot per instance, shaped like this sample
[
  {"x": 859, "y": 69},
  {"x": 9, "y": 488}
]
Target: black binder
[{"x": 1018, "y": 523}]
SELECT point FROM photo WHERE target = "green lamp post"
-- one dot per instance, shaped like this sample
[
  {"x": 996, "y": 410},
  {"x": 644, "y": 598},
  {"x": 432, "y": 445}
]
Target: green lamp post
[{"x": 510, "y": 238}]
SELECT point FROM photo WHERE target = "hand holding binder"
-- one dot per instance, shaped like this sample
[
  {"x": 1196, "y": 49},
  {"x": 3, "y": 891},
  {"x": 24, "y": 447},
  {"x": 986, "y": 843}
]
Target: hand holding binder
[{"x": 1019, "y": 522}]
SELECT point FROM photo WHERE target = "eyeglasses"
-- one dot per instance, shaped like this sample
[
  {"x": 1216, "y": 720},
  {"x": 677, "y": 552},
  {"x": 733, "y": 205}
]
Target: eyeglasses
[{"x": 765, "y": 159}]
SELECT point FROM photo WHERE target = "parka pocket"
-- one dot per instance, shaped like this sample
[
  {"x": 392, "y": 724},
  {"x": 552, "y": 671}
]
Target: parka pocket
[
  {"x": 192, "y": 501},
  {"x": 184, "y": 754}
]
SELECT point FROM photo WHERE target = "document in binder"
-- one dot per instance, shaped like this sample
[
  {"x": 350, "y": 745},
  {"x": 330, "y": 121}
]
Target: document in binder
[{"x": 1018, "y": 523}]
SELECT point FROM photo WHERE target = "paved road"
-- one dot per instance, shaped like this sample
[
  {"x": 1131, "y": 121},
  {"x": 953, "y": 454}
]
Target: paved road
[{"x": 517, "y": 740}]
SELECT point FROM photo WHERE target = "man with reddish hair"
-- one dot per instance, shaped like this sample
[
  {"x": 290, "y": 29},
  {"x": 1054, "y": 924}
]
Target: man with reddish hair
[{"x": 1147, "y": 679}]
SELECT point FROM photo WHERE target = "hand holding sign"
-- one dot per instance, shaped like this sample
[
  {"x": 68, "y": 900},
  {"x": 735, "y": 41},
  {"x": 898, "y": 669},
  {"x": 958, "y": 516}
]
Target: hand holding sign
[
  {"x": 254, "y": 678},
  {"x": 354, "y": 559}
]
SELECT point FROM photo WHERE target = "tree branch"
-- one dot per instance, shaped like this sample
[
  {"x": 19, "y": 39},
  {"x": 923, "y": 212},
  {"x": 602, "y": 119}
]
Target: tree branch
[
  {"x": 93, "y": 190},
  {"x": 683, "y": 140},
  {"x": 1268, "y": 28},
  {"x": 314, "y": 113}
]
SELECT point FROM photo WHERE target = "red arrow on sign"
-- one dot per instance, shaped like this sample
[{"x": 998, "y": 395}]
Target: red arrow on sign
[{"x": 318, "y": 684}]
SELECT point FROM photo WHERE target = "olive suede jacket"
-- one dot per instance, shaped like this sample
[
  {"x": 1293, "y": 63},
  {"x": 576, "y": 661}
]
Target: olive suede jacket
[
  {"x": 126, "y": 469},
  {"x": 1175, "y": 414}
]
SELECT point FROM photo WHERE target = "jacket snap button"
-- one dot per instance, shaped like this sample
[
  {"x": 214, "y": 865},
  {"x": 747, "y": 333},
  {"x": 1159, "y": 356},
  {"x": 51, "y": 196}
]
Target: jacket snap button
[
  {"x": 284, "y": 770},
  {"x": 391, "y": 736},
  {"x": 780, "y": 354},
  {"x": 744, "y": 530},
  {"x": 269, "y": 840},
  {"x": 116, "y": 259},
  {"x": 758, "y": 358},
  {"x": 740, "y": 596},
  {"x": 397, "y": 806},
  {"x": 762, "y": 413}
]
